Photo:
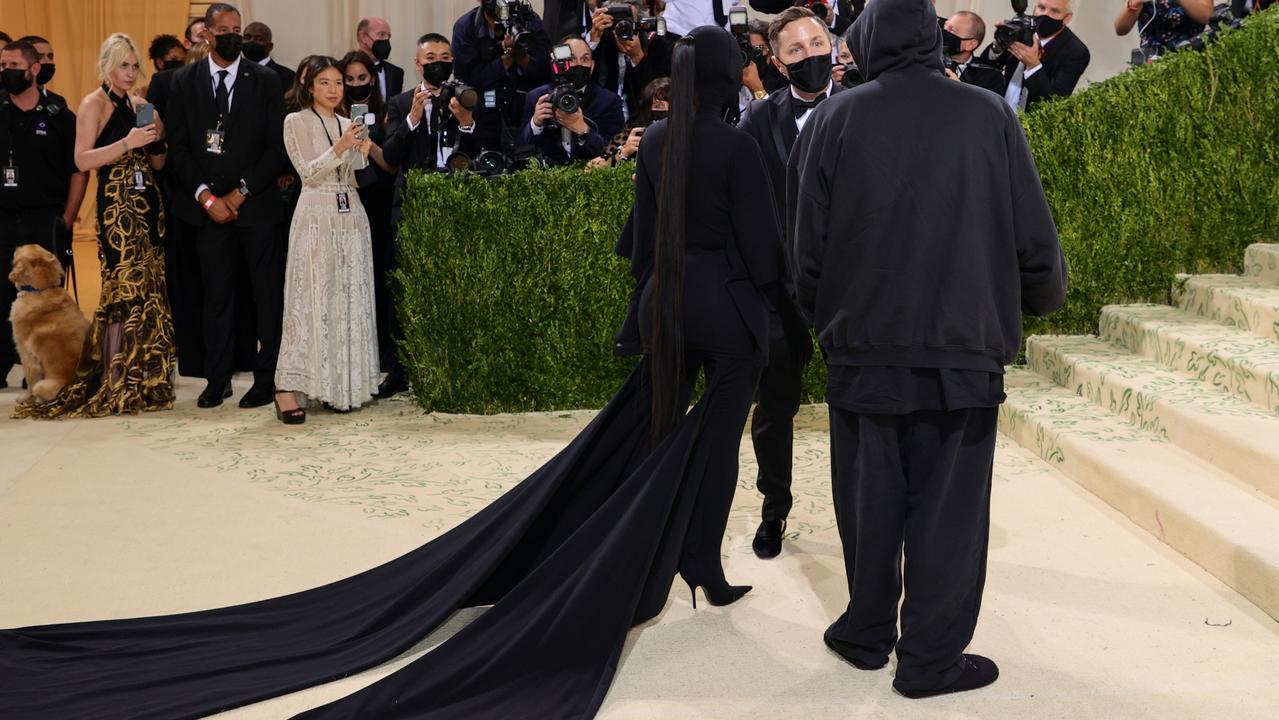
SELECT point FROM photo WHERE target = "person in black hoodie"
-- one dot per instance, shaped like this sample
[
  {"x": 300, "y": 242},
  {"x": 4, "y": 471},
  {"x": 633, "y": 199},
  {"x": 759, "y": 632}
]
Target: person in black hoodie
[{"x": 915, "y": 255}]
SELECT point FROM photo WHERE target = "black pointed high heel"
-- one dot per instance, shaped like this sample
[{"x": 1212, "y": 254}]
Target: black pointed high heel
[{"x": 718, "y": 595}]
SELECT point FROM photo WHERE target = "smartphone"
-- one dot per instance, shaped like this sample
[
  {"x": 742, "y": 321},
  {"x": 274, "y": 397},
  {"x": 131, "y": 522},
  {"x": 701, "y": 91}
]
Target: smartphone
[
  {"x": 358, "y": 113},
  {"x": 145, "y": 114}
]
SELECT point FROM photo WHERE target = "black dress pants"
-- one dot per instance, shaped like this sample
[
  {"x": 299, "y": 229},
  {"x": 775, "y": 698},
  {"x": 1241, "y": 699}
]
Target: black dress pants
[
  {"x": 225, "y": 252},
  {"x": 32, "y": 227},
  {"x": 773, "y": 425},
  {"x": 919, "y": 483}
]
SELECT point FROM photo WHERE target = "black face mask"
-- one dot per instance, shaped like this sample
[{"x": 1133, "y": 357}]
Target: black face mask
[
  {"x": 660, "y": 115},
  {"x": 951, "y": 43},
  {"x": 46, "y": 73},
  {"x": 255, "y": 52},
  {"x": 228, "y": 46},
  {"x": 579, "y": 75},
  {"x": 1047, "y": 26},
  {"x": 15, "y": 81},
  {"x": 358, "y": 93},
  {"x": 812, "y": 74},
  {"x": 381, "y": 49},
  {"x": 437, "y": 73},
  {"x": 172, "y": 64}
]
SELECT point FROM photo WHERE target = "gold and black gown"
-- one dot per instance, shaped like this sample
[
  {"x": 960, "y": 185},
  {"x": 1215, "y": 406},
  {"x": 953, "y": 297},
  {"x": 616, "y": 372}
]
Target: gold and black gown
[{"x": 128, "y": 360}]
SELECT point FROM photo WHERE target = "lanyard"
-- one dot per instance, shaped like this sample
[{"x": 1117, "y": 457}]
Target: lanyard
[{"x": 326, "y": 127}]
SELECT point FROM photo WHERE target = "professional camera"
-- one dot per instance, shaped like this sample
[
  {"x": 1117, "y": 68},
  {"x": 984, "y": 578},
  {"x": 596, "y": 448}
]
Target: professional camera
[
  {"x": 466, "y": 95},
  {"x": 853, "y": 75},
  {"x": 564, "y": 96},
  {"x": 1021, "y": 28},
  {"x": 820, "y": 8},
  {"x": 739, "y": 26},
  {"x": 626, "y": 27},
  {"x": 513, "y": 18}
]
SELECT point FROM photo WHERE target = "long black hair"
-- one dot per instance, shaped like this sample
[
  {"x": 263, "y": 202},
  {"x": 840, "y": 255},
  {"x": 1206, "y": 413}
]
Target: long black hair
[{"x": 666, "y": 354}]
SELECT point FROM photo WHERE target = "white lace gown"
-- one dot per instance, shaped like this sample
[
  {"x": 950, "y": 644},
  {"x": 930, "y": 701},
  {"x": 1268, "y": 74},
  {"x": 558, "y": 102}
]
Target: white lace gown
[{"x": 328, "y": 351}]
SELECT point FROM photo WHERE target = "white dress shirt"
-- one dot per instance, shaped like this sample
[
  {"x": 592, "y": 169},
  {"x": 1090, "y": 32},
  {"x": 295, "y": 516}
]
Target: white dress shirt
[
  {"x": 442, "y": 153},
  {"x": 1015, "y": 95},
  {"x": 232, "y": 71},
  {"x": 684, "y": 15},
  {"x": 804, "y": 118}
]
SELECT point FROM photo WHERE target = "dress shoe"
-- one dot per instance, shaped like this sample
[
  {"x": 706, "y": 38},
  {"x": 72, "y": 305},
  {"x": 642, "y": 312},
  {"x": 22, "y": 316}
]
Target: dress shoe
[
  {"x": 849, "y": 653},
  {"x": 211, "y": 398},
  {"x": 259, "y": 395},
  {"x": 394, "y": 384},
  {"x": 768, "y": 539},
  {"x": 978, "y": 673},
  {"x": 288, "y": 417}
]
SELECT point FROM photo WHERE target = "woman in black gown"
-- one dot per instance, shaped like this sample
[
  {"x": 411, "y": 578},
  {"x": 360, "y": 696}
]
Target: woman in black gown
[{"x": 569, "y": 559}]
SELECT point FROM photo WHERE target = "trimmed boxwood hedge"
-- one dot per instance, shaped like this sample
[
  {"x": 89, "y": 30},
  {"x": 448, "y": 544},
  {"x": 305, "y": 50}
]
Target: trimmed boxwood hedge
[{"x": 511, "y": 292}]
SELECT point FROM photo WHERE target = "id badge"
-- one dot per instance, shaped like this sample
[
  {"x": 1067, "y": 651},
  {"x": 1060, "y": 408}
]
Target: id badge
[
  {"x": 10, "y": 179},
  {"x": 139, "y": 181},
  {"x": 213, "y": 141},
  {"x": 344, "y": 203}
]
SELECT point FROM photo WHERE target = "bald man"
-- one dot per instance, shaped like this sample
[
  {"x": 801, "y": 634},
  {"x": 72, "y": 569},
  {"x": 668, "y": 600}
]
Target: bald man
[
  {"x": 258, "y": 46},
  {"x": 373, "y": 38}
]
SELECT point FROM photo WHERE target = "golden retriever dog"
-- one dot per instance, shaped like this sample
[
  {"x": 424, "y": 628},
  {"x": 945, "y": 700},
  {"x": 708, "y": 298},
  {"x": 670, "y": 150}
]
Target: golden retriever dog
[{"x": 48, "y": 327}]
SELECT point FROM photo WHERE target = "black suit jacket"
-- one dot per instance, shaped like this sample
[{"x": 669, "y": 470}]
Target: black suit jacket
[
  {"x": 253, "y": 147},
  {"x": 985, "y": 76},
  {"x": 394, "y": 79},
  {"x": 562, "y": 17},
  {"x": 415, "y": 149},
  {"x": 286, "y": 75},
  {"x": 1065, "y": 60},
  {"x": 603, "y": 113},
  {"x": 656, "y": 64},
  {"x": 159, "y": 91}
]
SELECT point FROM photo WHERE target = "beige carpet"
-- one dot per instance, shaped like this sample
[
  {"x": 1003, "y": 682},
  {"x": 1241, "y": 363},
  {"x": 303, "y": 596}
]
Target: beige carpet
[{"x": 1087, "y": 615}]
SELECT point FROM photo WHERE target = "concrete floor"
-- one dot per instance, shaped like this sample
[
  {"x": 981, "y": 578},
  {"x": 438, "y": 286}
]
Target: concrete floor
[{"x": 1087, "y": 615}]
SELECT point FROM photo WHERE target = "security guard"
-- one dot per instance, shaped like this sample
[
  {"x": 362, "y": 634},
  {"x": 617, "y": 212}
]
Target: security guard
[{"x": 37, "y": 162}]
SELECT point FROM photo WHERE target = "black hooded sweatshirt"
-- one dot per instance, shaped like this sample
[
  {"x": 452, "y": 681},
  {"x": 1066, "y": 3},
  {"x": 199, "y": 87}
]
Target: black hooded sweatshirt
[{"x": 916, "y": 219}]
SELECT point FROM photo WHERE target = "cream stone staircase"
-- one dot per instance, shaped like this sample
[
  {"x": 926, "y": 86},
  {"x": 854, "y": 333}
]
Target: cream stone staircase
[{"x": 1171, "y": 416}]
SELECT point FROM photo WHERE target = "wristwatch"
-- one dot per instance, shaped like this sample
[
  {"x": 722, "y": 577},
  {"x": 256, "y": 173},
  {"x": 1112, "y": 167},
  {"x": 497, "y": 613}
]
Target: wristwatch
[
  {"x": 244, "y": 188},
  {"x": 760, "y": 94}
]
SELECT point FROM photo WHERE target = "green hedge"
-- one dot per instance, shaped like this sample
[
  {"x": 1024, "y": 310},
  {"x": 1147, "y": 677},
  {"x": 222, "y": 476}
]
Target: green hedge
[{"x": 511, "y": 291}]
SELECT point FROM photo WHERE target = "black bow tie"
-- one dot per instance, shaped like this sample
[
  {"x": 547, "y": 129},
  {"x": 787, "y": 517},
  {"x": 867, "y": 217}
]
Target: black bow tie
[{"x": 799, "y": 107}]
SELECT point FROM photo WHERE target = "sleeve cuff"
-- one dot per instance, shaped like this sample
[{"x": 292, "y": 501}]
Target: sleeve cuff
[
  {"x": 1033, "y": 70},
  {"x": 467, "y": 129},
  {"x": 412, "y": 125},
  {"x": 534, "y": 128},
  {"x": 200, "y": 191}
]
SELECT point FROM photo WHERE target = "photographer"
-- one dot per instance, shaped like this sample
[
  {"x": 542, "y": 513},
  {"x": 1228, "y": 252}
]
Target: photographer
[
  {"x": 962, "y": 34},
  {"x": 654, "y": 105},
  {"x": 562, "y": 137},
  {"x": 503, "y": 62},
  {"x": 1164, "y": 25},
  {"x": 1047, "y": 67},
  {"x": 627, "y": 58}
]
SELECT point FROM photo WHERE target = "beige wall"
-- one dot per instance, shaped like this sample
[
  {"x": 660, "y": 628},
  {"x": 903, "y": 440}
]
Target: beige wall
[{"x": 303, "y": 27}]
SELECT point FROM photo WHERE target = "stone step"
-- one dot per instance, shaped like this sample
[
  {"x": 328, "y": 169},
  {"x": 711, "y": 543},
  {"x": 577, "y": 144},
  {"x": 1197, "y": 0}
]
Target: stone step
[
  {"x": 1242, "y": 302},
  {"x": 1231, "y": 434},
  {"x": 1195, "y": 508},
  {"x": 1261, "y": 261},
  {"x": 1223, "y": 357}
]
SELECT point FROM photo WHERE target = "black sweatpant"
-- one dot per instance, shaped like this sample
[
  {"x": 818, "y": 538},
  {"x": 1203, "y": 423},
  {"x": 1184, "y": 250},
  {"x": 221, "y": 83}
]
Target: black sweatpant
[{"x": 919, "y": 483}]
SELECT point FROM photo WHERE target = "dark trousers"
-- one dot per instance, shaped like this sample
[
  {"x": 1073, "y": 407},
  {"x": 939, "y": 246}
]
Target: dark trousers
[
  {"x": 773, "y": 426},
  {"x": 918, "y": 482},
  {"x": 16, "y": 230},
  {"x": 226, "y": 252},
  {"x": 730, "y": 383}
]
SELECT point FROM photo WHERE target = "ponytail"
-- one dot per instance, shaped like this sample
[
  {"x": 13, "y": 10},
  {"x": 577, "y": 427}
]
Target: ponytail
[{"x": 666, "y": 317}]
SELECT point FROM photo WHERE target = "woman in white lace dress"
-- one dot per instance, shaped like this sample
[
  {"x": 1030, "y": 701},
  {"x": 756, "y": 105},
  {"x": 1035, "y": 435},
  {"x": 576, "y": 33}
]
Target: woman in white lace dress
[{"x": 328, "y": 353}]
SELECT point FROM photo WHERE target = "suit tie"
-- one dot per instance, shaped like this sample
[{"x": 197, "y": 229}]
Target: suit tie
[
  {"x": 224, "y": 94},
  {"x": 799, "y": 107}
]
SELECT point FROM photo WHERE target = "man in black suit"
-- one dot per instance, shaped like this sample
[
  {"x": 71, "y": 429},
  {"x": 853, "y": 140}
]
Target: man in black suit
[
  {"x": 1048, "y": 68},
  {"x": 562, "y": 137},
  {"x": 962, "y": 34},
  {"x": 373, "y": 37},
  {"x": 801, "y": 46},
  {"x": 258, "y": 46},
  {"x": 625, "y": 66},
  {"x": 566, "y": 17},
  {"x": 226, "y": 146},
  {"x": 421, "y": 134}
]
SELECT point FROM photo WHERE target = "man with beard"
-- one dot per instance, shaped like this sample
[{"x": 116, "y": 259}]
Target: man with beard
[{"x": 915, "y": 255}]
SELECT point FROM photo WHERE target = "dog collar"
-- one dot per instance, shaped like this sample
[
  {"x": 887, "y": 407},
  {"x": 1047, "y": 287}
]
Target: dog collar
[{"x": 28, "y": 288}]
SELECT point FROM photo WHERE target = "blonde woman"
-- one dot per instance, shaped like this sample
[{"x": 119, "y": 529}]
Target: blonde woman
[{"x": 128, "y": 359}]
